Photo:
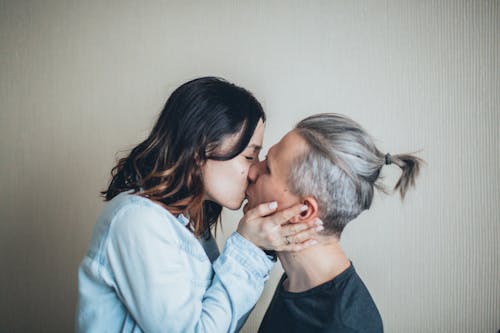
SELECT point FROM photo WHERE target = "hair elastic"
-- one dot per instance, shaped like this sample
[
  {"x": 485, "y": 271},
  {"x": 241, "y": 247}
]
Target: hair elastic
[{"x": 388, "y": 159}]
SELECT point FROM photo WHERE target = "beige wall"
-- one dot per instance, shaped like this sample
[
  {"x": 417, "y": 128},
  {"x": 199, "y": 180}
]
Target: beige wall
[{"x": 82, "y": 80}]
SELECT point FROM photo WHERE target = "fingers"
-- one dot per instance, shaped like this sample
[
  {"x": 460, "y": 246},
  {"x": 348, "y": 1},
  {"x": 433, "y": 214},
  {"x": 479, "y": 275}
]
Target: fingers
[
  {"x": 302, "y": 236},
  {"x": 296, "y": 237},
  {"x": 294, "y": 228},
  {"x": 261, "y": 210},
  {"x": 299, "y": 246},
  {"x": 291, "y": 229},
  {"x": 283, "y": 216}
]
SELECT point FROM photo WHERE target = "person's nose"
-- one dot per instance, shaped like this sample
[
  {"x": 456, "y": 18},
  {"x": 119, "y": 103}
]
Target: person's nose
[{"x": 254, "y": 172}]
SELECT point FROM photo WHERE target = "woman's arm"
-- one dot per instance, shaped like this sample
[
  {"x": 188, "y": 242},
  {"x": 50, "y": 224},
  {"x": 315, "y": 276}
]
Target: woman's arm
[{"x": 155, "y": 285}]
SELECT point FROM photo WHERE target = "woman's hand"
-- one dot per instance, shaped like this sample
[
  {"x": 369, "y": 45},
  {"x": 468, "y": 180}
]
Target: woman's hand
[{"x": 273, "y": 232}]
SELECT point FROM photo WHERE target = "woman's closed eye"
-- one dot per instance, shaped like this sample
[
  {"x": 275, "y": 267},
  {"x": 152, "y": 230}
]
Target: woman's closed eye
[{"x": 252, "y": 157}]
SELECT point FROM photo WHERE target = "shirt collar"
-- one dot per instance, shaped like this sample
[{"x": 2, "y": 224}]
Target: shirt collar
[{"x": 182, "y": 219}]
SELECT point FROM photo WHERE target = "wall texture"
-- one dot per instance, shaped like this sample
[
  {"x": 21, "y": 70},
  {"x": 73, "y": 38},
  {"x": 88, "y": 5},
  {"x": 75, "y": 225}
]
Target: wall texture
[{"x": 83, "y": 80}]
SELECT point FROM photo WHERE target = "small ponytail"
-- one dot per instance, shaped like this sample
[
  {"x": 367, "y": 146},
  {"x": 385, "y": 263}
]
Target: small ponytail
[{"x": 410, "y": 166}]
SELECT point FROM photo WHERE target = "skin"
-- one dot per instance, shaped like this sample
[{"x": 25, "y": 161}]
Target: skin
[
  {"x": 318, "y": 263},
  {"x": 268, "y": 178},
  {"x": 225, "y": 183}
]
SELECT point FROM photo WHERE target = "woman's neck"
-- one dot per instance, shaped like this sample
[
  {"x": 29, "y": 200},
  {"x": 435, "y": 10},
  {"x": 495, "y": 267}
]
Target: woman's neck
[{"x": 313, "y": 266}]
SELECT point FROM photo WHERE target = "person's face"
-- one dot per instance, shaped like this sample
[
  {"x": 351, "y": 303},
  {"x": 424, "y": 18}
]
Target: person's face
[
  {"x": 225, "y": 182},
  {"x": 268, "y": 178}
]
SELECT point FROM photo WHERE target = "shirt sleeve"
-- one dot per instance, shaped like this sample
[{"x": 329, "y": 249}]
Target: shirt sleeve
[{"x": 157, "y": 288}]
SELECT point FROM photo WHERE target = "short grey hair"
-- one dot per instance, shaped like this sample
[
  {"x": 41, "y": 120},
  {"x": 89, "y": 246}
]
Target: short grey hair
[{"x": 342, "y": 167}]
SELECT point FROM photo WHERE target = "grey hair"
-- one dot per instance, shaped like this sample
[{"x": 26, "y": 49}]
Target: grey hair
[{"x": 342, "y": 167}]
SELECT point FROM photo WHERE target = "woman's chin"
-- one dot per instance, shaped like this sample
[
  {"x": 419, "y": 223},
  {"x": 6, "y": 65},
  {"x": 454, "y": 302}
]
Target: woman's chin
[{"x": 234, "y": 205}]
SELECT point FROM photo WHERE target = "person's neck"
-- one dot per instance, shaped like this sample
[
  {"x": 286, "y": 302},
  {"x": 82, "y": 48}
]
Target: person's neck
[{"x": 313, "y": 266}]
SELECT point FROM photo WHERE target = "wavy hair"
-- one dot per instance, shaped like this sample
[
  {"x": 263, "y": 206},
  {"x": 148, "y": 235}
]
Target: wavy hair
[{"x": 166, "y": 167}]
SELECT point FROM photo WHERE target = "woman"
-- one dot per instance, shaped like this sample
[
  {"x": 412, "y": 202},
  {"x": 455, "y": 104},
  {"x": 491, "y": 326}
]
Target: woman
[{"x": 152, "y": 264}]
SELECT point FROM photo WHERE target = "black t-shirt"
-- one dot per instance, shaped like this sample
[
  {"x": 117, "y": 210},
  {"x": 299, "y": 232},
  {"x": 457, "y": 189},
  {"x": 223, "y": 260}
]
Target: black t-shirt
[{"x": 340, "y": 305}]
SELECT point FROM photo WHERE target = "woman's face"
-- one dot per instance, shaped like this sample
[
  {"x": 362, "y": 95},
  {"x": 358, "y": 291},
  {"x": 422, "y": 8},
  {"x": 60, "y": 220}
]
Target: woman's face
[{"x": 225, "y": 182}]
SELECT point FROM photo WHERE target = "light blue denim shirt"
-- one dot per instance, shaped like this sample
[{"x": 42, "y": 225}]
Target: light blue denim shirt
[{"x": 146, "y": 272}]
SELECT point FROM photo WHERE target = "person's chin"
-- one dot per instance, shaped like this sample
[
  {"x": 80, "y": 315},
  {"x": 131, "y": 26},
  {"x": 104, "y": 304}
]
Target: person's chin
[{"x": 235, "y": 205}]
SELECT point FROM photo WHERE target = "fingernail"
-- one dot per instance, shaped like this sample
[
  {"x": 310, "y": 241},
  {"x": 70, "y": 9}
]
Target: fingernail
[
  {"x": 303, "y": 208},
  {"x": 273, "y": 205},
  {"x": 318, "y": 222},
  {"x": 311, "y": 242},
  {"x": 319, "y": 228}
]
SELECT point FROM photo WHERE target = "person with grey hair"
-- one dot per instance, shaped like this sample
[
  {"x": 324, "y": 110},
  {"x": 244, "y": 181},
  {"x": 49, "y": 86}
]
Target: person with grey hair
[{"x": 330, "y": 164}]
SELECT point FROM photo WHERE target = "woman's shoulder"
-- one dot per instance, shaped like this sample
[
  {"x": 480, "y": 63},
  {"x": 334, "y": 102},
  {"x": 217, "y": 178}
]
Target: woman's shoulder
[
  {"x": 128, "y": 212},
  {"x": 126, "y": 201}
]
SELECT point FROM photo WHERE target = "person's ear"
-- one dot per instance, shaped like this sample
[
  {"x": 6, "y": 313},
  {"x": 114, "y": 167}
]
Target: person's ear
[{"x": 310, "y": 213}]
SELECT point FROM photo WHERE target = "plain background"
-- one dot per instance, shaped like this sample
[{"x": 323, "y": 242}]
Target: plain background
[{"x": 81, "y": 81}]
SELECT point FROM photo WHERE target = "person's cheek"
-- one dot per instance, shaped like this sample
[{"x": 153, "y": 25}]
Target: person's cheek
[
  {"x": 242, "y": 174},
  {"x": 270, "y": 192}
]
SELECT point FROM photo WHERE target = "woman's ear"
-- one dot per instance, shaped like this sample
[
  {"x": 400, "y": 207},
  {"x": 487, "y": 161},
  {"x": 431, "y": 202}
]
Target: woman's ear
[{"x": 310, "y": 213}]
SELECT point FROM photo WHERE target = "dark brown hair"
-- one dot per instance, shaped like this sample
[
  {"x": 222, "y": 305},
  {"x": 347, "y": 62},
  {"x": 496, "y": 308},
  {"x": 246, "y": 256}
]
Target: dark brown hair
[{"x": 166, "y": 167}]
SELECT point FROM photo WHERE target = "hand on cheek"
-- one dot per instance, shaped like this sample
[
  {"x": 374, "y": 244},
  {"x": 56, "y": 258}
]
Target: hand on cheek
[{"x": 270, "y": 229}]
